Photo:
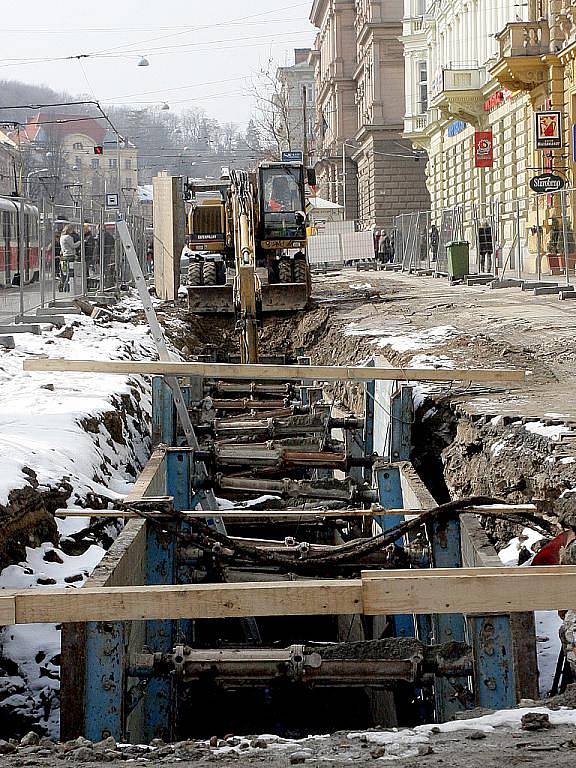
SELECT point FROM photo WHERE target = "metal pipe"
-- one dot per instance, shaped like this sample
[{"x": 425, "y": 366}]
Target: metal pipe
[
  {"x": 565, "y": 236},
  {"x": 84, "y": 283},
  {"x": 538, "y": 239},
  {"x": 101, "y": 243},
  {"x": 42, "y": 251},
  {"x": 518, "y": 246}
]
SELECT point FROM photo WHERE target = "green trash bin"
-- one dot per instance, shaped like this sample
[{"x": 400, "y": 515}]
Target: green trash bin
[{"x": 458, "y": 258}]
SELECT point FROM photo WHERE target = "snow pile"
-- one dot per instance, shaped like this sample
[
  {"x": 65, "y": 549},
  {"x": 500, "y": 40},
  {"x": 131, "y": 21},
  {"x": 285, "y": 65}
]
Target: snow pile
[
  {"x": 406, "y": 342},
  {"x": 552, "y": 431},
  {"x": 41, "y": 414},
  {"x": 35, "y": 648},
  {"x": 58, "y": 426}
]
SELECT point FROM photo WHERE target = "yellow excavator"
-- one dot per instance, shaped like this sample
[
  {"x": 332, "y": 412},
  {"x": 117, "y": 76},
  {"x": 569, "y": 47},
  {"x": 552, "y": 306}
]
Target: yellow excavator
[{"x": 247, "y": 238}]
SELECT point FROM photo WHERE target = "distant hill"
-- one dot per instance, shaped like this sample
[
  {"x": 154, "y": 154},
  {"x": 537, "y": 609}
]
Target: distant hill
[{"x": 14, "y": 93}]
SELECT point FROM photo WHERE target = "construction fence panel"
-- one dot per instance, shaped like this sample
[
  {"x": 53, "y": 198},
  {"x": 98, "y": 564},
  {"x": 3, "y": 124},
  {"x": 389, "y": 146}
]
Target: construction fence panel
[{"x": 339, "y": 243}]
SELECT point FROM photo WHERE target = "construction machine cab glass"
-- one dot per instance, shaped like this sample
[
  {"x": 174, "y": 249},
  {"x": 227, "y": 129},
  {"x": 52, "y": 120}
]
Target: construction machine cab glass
[{"x": 282, "y": 201}]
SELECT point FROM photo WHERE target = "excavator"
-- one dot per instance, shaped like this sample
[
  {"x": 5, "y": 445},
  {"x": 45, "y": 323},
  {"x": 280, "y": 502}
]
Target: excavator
[{"x": 247, "y": 235}]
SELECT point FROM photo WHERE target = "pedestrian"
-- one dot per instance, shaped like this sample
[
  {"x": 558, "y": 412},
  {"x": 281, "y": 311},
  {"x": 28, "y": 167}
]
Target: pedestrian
[
  {"x": 377, "y": 236},
  {"x": 69, "y": 254},
  {"x": 385, "y": 254},
  {"x": 89, "y": 249},
  {"x": 434, "y": 241},
  {"x": 485, "y": 247}
]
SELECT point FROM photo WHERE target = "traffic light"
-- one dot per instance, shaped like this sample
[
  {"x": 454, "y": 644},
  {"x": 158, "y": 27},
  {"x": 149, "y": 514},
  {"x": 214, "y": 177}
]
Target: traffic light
[{"x": 98, "y": 150}]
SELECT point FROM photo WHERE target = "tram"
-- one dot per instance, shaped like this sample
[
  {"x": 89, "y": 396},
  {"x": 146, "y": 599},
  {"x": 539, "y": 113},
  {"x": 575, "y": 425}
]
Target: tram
[{"x": 10, "y": 216}]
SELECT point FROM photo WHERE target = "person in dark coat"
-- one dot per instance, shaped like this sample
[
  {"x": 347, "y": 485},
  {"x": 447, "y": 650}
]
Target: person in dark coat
[
  {"x": 434, "y": 241},
  {"x": 485, "y": 247}
]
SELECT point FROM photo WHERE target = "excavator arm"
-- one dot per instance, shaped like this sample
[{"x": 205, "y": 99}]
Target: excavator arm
[{"x": 247, "y": 287}]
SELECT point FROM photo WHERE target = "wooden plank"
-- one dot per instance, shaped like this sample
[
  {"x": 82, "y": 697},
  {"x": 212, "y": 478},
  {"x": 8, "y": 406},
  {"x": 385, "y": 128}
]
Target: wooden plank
[
  {"x": 212, "y": 601},
  {"x": 7, "y": 608},
  {"x": 474, "y": 590},
  {"x": 151, "y": 477},
  {"x": 504, "y": 570},
  {"x": 515, "y": 590},
  {"x": 274, "y": 372},
  {"x": 273, "y": 516}
]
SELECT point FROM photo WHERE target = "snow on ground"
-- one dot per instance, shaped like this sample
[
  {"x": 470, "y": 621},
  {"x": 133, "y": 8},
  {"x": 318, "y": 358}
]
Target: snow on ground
[
  {"x": 553, "y": 431},
  {"x": 41, "y": 417},
  {"x": 404, "y": 743},
  {"x": 548, "y": 623},
  {"x": 405, "y": 342},
  {"x": 40, "y": 413}
]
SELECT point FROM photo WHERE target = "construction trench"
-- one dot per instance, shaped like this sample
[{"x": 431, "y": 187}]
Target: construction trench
[{"x": 309, "y": 477}]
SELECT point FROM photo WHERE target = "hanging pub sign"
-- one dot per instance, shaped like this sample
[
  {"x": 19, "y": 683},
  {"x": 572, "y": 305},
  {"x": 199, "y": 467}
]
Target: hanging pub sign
[
  {"x": 483, "y": 149},
  {"x": 547, "y": 182},
  {"x": 548, "y": 130}
]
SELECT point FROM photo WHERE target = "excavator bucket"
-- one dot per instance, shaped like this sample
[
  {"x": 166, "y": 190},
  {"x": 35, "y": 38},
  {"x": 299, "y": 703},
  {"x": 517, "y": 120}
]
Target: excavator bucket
[{"x": 276, "y": 297}]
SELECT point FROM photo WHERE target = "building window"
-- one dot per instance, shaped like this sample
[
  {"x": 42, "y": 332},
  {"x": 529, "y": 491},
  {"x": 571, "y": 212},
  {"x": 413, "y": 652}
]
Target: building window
[
  {"x": 420, "y": 7},
  {"x": 112, "y": 163},
  {"x": 78, "y": 162},
  {"x": 128, "y": 182},
  {"x": 78, "y": 146},
  {"x": 128, "y": 164},
  {"x": 95, "y": 163},
  {"x": 422, "y": 94}
]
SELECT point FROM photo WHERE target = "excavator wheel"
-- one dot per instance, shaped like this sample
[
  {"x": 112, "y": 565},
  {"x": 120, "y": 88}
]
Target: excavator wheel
[
  {"x": 300, "y": 271},
  {"x": 209, "y": 273},
  {"x": 284, "y": 271},
  {"x": 195, "y": 273}
]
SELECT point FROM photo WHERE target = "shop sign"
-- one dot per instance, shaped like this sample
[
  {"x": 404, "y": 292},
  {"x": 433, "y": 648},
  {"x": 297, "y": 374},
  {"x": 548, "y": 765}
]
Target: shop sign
[
  {"x": 548, "y": 130},
  {"x": 547, "y": 182},
  {"x": 456, "y": 127},
  {"x": 497, "y": 98},
  {"x": 483, "y": 149}
]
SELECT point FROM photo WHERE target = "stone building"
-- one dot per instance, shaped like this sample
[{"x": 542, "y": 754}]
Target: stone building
[
  {"x": 475, "y": 67},
  {"x": 359, "y": 71},
  {"x": 65, "y": 143},
  {"x": 8, "y": 150},
  {"x": 296, "y": 98}
]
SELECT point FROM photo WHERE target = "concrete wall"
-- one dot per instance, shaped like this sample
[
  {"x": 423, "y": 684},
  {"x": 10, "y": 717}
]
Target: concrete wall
[{"x": 169, "y": 234}]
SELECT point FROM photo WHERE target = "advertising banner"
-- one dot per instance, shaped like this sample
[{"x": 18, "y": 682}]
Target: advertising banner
[{"x": 483, "y": 149}]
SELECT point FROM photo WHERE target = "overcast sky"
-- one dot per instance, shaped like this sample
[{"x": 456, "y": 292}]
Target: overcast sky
[{"x": 201, "y": 54}]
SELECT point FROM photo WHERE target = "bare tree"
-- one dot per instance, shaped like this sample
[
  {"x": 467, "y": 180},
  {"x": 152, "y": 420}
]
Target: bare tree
[{"x": 272, "y": 116}]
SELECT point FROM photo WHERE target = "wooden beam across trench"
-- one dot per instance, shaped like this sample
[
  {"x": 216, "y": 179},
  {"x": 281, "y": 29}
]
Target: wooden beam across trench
[
  {"x": 452, "y": 590},
  {"x": 276, "y": 372}
]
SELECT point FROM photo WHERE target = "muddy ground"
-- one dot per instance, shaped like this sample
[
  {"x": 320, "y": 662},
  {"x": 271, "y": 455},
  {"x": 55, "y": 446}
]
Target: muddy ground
[{"x": 467, "y": 748}]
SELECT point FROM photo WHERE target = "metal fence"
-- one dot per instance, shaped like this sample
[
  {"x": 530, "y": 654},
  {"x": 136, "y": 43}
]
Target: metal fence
[
  {"x": 32, "y": 273},
  {"x": 339, "y": 243},
  {"x": 507, "y": 237}
]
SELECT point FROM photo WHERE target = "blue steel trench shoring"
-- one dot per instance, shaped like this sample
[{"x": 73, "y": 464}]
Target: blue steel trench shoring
[{"x": 109, "y": 697}]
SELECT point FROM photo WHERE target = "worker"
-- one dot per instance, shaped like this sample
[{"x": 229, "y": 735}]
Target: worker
[
  {"x": 281, "y": 196},
  {"x": 69, "y": 253}
]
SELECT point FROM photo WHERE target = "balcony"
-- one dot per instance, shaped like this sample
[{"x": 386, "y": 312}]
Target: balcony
[
  {"x": 417, "y": 128},
  {"x": 523, "y": 47},
  {"x": 457, "y": 92}
]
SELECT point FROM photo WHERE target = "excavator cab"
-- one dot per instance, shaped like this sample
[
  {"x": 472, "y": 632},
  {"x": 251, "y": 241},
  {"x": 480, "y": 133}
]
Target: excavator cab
[{"x": 282, "y": 205}]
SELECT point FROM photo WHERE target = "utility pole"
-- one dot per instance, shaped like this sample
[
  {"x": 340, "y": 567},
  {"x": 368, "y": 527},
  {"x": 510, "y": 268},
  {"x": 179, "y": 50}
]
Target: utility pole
[
  {"x": 344, "y": 178},
  {"x": 305, "y": 119}
]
